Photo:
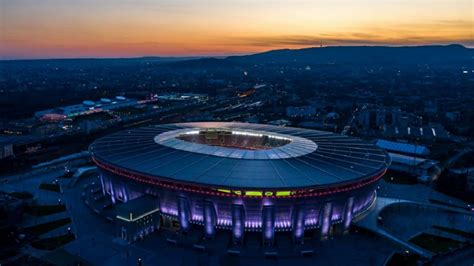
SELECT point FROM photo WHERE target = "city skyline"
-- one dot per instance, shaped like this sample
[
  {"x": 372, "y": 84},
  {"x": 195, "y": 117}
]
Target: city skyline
[{"x": 85, "y": 28}]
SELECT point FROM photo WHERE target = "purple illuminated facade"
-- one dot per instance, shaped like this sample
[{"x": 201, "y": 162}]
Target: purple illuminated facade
[
  {"x": 190, "y": 207},
  {"x": 267, "y": 209}
]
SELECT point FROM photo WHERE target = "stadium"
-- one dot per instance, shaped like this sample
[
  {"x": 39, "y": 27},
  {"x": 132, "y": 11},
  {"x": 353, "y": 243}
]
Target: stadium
[{"x": 243, "y": 177}]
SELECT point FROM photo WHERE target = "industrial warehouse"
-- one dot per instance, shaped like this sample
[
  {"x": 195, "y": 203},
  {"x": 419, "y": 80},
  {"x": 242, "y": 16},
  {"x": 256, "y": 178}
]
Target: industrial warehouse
[{"x": 239, "y": 177}]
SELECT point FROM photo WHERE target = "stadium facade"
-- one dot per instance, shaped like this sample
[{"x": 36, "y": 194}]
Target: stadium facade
[{"x": 243, "y": 177}]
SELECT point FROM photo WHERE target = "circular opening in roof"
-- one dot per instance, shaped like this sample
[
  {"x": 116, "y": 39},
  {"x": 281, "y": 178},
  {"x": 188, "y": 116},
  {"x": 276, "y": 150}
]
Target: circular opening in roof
[
  {"x": 237, "y": 143},
  {"x": 234, "y": 139}
]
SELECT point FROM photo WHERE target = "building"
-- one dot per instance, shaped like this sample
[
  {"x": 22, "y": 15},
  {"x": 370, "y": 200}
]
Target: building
[
  {"x": 403, "y": 147},
  {"x": 376, "y": 117},
  {"x": 243, "y": 177},
  {"x": 430, "y": 132},
  {"x": 199, "y": 97},
  {"x": 300, "y": 111},
  {"x": 138, "y": 218},
  {"x": 431, "y": 107},
  {"x": 411, "y": 159},
  {"x": 6, "y": 150},
  {"x": 425, "y": 170},
  {"x": 86, "y": 107},
  {"x": 453, "y": 116}
]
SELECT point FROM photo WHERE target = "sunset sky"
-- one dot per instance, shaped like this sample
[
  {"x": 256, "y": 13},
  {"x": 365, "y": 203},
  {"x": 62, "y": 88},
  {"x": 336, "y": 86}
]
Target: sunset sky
[{"x": 130, "y": 28}]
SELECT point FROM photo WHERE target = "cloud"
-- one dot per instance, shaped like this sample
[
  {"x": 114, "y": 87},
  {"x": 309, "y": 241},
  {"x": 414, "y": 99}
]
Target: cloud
[{"x": 437, "y": 32}]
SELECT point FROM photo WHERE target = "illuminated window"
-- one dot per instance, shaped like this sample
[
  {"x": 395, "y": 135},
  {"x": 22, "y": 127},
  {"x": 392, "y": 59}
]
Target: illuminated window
[
  {"x": 283, "y": 193},
  {"x": 253, "y": 193}
]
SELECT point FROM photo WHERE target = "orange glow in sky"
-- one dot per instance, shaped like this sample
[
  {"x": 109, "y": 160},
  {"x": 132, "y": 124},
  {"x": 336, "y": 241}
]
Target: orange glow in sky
[{"x": 129, "y": 28}]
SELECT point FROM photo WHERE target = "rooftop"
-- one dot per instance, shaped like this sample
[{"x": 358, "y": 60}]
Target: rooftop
[
  {"x": 301, "y": 157},
  {"x": 137, "y": 208},
  {"x": 403, "y": 147}
]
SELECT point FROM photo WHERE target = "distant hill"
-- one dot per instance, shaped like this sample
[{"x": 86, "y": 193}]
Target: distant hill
[
  {"x": 359, "y": 55},
  {"x": 435, "y": 54}
]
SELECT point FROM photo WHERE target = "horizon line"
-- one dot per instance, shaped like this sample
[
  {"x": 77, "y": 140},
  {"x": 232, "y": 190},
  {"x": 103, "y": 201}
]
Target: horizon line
[{"x": 191, "y": 57}]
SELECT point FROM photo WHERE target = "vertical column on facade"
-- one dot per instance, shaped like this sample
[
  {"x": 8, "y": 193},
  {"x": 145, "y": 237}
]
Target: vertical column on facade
[
  {"x": 297, "y": 223},
  {"x": 124, "y": 192},
  {"x": 209, "y": 219},
  {"x": 183, "y": 213},
  {"x": 325, "y": 217},
  {"x": 238, "y": 223},
  {"x": 268, "y": 225},
  {"x": 157, "y": 217},
  {"x": 347, "y": 215},
  {"x": 101, "y": 177},
  {"x": 112, "y": 191}
]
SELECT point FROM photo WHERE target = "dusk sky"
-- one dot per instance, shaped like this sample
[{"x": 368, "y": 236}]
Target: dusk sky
[{"x": 129, "y": 28}]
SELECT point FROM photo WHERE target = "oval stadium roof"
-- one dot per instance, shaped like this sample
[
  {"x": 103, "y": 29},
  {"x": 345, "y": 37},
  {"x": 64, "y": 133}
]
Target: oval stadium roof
[{"x": 334, "y": 159}]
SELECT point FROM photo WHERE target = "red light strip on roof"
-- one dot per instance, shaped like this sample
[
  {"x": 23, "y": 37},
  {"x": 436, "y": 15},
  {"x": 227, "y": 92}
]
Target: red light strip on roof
[{"x": 315, "y": 192}]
